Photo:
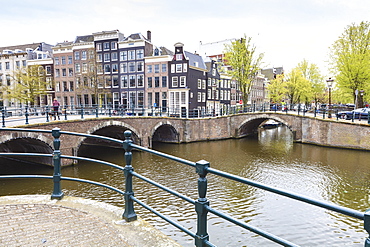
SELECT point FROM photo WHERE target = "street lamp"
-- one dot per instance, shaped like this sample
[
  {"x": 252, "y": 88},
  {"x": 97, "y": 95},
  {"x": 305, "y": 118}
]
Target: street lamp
[{"x": 329, "y": 82}]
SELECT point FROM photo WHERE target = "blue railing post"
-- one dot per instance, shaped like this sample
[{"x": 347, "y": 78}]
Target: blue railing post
[
  {"x": 26, "y": 114},
  {"x": 201, "y": 235},
  {"x": 3, "y": 116},
  {"x": 47, "y": 113},
  {"x": 129, "y": 214},
  {"x": 97, "y": 111},
  {"x": 82, "y": 111},
  {"x": 57, "y": 193},
  {"x": 367, "y": 227}
]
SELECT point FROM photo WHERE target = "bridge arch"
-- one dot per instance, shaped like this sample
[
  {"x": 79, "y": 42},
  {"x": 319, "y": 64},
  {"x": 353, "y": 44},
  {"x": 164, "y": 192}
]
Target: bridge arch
[
  {"x": 164, "y": 132},
  {"x": 113, "y": 129},
  {"x": 250, "y": 126},
  {"x": 34, "y": 143}
]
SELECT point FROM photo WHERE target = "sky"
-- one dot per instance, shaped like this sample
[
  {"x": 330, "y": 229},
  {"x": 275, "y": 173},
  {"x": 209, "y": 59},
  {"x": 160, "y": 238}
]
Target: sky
[{"x": 285, "y": 31}]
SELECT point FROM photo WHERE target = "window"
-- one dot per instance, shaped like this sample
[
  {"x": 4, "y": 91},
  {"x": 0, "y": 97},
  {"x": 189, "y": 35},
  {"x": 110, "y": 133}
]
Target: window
[
  {"x": 150, "y": 82},
  {"x": 99, "y": 57},
  {"x": 204, "y": 84},
  {"x": 77, "y": 55},
  {"x": 114, "y": 56},
  {"x": 140, "y": 67},
  {"x": 57, "y": 73},
  {"x": 156, "y": 98},
  {"x": 178, "y": 57},
  {"x": 131, "y": 55},
  {"x": 156, "y": 81},
  {"x": 199, "y": 83},
  {"x": 24, "y": 63},
  {"x": 149, "y": 69},
  {"x": 140, "y": 54},
  {"x": 106, "y": 46},
  {"x": 106, "y": 68},
  {"x": 199, "y": 97},
  {"x": 164, "y": 67},
  {"x": 183, "y": 98},
  {"x": 113, "y": 45},
  {"x": 140, "y": 99},
  {"x": 140, "y": 81},
  {"x": 156, "y": 68},
  {"x": 48, "y": 70},
  {"x": 175, "y": 81},
  {"x": 123, "y": 55},
  {"x": 65, "y": 89},
  {"x": 71, "y": 86},
  {"x": 84, "y": 67},
  {"x": 131, "y": 67},
  {"x": 115, "y": 81},
  {"x": 164, "y": 81},
  {"x": 132, "y": 99},
  {"x": 172, "y": 68},
  {"x": 108, "y": 81},
  {"x": 123, "y": 67},
  {"x": 124, "y": 82},
  {"x": 182, "y": 81},
  {"x": 150, "y": 99},
  {"x": 178, "y": 68},
  {"x": 114, "y": 68},
  {"x": 98, "y": 47},
  {"x": 83, "y": 55},
  {"x": 70, "y": 60},
  {"x": 203, "y": 97},
  {"x": 63, "y": 60},
  {"x": 185, "y": 67},
  {"x": 106, "y": 57},
  {"x": 1, "y": 68},
  {"x": 70, "y": 72},
  {"x": 56, "y": 60},
  {"x": 132, "y": 81},
  {"x": 64, "y": 72}
]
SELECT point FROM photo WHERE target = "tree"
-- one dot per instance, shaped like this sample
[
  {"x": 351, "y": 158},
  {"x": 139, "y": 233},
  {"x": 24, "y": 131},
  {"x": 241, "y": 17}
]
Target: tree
[
  {"x": 312, "y": 74},
  {"x": 29, "y": 84},
  {"x": 276, "y": 89},
  {"x": 245, "y": 62},
  {"x": 350, "y": 59},
  {"x": 298, "y": 88}
]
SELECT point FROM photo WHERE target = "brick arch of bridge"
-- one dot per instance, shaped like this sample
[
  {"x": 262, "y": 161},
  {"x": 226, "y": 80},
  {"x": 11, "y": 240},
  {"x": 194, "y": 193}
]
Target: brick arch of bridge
[
  {"x": 164, "y": 131},
  {"x": 249, "y": 125},
  {"x": 106, "y": 124}
]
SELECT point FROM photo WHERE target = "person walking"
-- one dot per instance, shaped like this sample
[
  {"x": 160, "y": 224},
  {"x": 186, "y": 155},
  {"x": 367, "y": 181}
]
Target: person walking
[{"x": 56, "y": 109}]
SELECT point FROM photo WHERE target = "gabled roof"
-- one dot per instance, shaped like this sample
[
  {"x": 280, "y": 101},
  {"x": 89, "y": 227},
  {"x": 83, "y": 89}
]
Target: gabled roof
[
  {"x": 165, "y": 51},
  {"x": 136, "y": 36},
  {"x": 85, "y": 38},
  {"x": 33, "y": 46},
  {"x": 195, "y": 60}
]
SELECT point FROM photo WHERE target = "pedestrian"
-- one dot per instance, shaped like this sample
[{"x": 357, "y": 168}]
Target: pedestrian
[{"x": 56, "y": 109}]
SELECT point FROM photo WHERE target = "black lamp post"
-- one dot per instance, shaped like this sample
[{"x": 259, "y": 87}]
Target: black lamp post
[{"x": 329, "y": 82}]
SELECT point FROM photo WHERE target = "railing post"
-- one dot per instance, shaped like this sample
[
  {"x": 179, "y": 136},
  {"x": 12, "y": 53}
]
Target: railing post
[
  {"x": 201, "y": 235},
  {"x": 47, "y": 113},
  {"x": 65, "y": 112},
  {"x": 129, "y": 214},
  {"x": 3, "y": 116},
  {"x": 97, "y": 111},
  {"x": 82, "y": 111},
  {"x": 367, "y": 227},
  {"x": 57, "y": 193},
  {"x": 26, "y": 114}
]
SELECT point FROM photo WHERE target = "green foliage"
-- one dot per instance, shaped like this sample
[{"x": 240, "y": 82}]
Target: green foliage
[
  {"x": 350, "y": 60},
  {"x": 29, "y": 84},
  {"x": 245, "y": 62}
]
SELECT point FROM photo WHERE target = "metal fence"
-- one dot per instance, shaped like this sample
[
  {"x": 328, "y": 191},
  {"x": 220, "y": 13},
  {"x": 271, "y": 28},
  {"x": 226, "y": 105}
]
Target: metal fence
[
  {"x": 24, "y": 114},
  {"x": 201, "y": 205}
]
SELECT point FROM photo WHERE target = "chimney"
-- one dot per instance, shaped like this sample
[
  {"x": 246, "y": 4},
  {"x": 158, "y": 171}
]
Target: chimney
[{"x": 149, "y": 35}]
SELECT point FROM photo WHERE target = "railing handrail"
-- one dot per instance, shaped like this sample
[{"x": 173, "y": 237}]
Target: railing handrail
[{"x": 201, "y": 204}]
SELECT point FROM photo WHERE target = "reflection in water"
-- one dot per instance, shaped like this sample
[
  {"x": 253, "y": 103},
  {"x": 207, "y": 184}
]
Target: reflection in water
[{"x": 336, "y": 175}]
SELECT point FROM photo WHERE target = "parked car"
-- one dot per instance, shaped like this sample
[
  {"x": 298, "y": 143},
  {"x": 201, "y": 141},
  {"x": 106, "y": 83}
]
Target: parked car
[{"x": 357, "y": 114}]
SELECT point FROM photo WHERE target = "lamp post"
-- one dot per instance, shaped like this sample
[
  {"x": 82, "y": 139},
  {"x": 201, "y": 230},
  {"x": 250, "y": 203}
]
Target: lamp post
[{"x": 329, "y": 82}]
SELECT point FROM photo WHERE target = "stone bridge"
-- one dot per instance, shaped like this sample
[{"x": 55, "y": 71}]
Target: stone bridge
[{"x": 146, "y": 130}]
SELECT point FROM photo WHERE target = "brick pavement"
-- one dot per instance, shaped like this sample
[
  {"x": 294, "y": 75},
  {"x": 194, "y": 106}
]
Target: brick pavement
[{"x": 39, "y": 221}]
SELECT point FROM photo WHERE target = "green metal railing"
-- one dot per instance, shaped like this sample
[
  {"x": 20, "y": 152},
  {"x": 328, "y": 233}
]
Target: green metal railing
[{"x": 201, "y": 205}]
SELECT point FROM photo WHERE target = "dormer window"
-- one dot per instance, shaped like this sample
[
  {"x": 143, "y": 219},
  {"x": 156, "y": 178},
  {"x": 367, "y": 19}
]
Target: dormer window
[
  {"x": 178, "y": 57},
  {"x": 156, "y": 52}
]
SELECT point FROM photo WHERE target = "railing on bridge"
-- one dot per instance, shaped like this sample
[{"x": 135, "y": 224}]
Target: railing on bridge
[
  {"x": 45, "y": 113},
  {"x": 201, "y": 205}
]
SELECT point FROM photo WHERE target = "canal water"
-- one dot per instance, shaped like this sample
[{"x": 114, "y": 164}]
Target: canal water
[{"x": 335, "y": 175}]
